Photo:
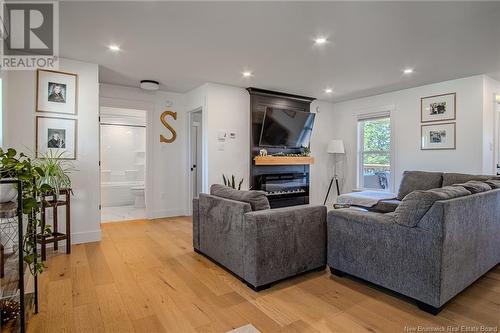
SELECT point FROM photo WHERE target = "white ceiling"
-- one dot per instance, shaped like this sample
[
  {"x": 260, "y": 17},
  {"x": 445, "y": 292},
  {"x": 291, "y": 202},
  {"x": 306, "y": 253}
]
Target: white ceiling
[{"x": 185, "y": 44}]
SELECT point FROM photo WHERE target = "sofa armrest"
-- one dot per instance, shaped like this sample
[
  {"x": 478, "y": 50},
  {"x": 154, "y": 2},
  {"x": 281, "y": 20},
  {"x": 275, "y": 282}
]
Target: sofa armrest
[
  {"x": 361, "y": 216},
  {"x": 283, "y": 242},
  {"x": 221, "y": 223},
  {"x": 196, "y": 224}
]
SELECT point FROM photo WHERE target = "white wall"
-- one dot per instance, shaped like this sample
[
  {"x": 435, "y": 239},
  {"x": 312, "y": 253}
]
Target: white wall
[
  {"x": 20, "y": 134},
  {"x": 497, "y": 135},
  {"x": 227, "y": 109},
  {"x": 166, "y": 167},
  {"x": 3, "y": 116},
  {"x": 490, "y": 89},
  {"x": 321, "y": 172},
  {"x": 468, "y": 157},
  {"x": 122, "y": 152}
]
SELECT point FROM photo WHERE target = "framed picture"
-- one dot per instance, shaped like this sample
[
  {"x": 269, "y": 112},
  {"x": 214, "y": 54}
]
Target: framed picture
[
  {"x": 56, "y": 91},
  {"x": 438, "y": 108},
  {"x": 439, "y": 136},
  {"x": 57, "y": 135}
]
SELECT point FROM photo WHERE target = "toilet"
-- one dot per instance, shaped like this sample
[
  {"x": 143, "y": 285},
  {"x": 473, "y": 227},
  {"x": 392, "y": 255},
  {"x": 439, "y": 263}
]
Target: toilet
[{"x": 138, "y": 194}]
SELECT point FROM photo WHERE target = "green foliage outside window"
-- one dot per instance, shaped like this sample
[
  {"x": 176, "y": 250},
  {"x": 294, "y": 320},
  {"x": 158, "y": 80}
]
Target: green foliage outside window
[{"x": 377, "y": 141}]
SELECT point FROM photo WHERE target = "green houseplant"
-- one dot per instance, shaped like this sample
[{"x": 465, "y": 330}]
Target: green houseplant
[
  {"x": 231, "y": 182},
  {"x": 20, "y": 166},
  {"x": 55, "y": 169}
]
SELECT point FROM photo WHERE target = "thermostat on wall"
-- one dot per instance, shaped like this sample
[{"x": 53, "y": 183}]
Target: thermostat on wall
[{"x": 222, "y": 135}]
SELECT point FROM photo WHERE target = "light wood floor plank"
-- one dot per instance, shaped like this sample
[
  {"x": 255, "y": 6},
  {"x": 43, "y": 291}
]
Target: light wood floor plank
[{"x": 113, "y": 312}]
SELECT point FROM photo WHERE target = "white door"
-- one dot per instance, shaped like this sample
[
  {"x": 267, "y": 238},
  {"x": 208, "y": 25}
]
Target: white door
[{"x": 195, "y": 154}]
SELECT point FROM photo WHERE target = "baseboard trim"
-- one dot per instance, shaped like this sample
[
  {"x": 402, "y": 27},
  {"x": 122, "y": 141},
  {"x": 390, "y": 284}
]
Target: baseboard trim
[
  {"x": 86, "y": 237},
  {"x": 157, "y": 214}
]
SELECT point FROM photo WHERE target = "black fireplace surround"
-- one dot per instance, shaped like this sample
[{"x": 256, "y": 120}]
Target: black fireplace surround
[{"x": 285, "y": 185}]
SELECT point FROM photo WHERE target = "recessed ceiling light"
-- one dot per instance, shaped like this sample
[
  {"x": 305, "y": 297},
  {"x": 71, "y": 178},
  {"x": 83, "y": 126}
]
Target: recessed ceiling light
[
  {"x": 408, "y": 70},
  {"x": 114, "y": 48},
  {"x": 328, "y": 90},
  {"x": 247, "y": 74},
  {"x": 320, "y": 41}
]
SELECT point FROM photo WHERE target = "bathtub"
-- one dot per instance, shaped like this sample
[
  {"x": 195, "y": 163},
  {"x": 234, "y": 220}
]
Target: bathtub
[{"x": 118, "y": 193}]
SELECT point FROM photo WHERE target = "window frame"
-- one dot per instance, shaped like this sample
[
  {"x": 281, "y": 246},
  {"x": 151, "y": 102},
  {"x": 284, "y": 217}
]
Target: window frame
[{"x": 386, "y": 112}]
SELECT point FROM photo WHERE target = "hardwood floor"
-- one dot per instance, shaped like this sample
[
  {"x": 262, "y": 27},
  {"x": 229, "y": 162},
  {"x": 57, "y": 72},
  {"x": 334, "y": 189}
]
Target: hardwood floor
[{"x": 144, "y": 277}]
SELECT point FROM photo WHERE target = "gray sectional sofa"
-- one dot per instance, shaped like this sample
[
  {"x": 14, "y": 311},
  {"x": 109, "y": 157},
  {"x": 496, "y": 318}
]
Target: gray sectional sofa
[
  {"x": 238, "y": 230},
  {"x": 442, "y": 235}
]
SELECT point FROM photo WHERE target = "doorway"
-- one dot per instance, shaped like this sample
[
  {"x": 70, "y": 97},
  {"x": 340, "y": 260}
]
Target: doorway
[
  {"x": 122, "y": 164},
  {"x": 195, "y": 153}
]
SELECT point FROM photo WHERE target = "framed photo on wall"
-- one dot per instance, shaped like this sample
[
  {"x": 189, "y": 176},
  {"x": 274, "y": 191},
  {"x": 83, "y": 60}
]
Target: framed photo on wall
[
  {"x": 57, "y": 135},
  {"x": 439, "y": 136},
  {"x": 56, "y": 91},
  {"x": 438, "y": 107}
]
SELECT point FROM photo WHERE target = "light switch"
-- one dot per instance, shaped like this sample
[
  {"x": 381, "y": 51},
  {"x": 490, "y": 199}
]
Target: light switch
[{"x": 232, "y": 135}]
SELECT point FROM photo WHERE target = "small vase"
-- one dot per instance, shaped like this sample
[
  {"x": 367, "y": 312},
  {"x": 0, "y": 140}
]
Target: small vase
[{"x": 8, "y": 192}]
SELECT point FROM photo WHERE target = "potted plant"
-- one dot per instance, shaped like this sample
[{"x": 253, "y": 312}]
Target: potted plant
[
  {"x": 231, "y": 182},
  {"x": 56, "y": 171},
  {"x": 21, "y": 167}
]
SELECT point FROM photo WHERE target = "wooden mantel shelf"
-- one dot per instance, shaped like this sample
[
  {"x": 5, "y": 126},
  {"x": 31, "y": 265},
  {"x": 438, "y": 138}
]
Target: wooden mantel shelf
[{"x": 283, "y": 160}]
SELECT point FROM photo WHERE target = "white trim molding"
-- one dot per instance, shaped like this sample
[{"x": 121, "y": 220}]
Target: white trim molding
[{"x": 86, "y": 237}]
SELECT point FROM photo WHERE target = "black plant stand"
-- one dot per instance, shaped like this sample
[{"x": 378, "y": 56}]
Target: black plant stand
[{"x": 16, "y": 290}]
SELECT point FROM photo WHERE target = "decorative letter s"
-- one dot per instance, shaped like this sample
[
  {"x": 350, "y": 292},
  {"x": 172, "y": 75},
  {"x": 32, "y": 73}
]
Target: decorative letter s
[{"x": 167, "y": 125}]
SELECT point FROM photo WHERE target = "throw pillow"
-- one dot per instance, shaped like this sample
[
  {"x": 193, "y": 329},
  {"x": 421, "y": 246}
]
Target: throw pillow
[
  {"x": 419, "y": 180},
  {"x": 475, "y": 186},
  {"x": 416, "y": 204},
  {"x": 493, "y": 183}
]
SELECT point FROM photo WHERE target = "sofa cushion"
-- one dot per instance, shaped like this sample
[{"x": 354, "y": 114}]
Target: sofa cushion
[
  {"x": 256, "y": 199},
  {"x": 416, "y": 204},
  {"x": 475, "y": 186},
  {"x": 386, "y": 206},
  {"x": 460, "y": 178},
  {"x": 419, "y": 180},
  {"x": 494, "y": 183}
]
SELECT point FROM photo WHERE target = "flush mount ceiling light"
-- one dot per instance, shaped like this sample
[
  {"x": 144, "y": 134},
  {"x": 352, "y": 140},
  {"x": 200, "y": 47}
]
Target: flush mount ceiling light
[
  {"x": 320, "y": 40},
  {"x": 114, "y": 48},
  {"x": 408, "y": 70},
  {"x": 150, "y": 85},
  {"x": 328, "y": 90},
  {"x": 247, "y": 74}
]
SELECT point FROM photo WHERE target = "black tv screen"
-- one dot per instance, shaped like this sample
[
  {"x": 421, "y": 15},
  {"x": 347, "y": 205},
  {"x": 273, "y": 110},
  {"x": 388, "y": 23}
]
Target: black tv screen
[{"x": 286, "y": 128}]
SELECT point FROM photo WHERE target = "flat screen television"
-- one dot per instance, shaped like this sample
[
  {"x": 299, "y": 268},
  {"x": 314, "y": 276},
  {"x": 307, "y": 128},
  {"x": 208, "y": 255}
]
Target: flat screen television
[{"x": 286, "y": 128}]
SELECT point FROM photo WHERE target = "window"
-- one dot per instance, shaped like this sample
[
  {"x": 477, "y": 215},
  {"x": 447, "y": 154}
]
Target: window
[{"x": 374, "y": 152}]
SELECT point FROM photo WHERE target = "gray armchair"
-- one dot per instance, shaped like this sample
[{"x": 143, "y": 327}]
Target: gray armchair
[{"x": 261, "y": 246}]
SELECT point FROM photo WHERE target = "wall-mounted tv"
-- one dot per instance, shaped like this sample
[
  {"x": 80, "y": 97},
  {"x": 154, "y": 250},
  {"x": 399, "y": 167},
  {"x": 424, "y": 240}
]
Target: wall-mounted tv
[{"x": 286, "y": 128}]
